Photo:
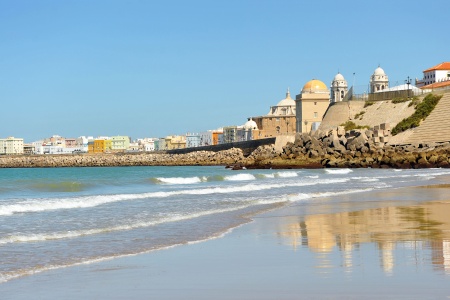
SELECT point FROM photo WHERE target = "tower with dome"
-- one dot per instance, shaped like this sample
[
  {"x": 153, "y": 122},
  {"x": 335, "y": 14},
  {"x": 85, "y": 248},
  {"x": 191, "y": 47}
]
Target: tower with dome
[
  {"x": 378, "y": 81},
  {"x": 311, "y": 105},
  {"x": 339, "y": 88}
]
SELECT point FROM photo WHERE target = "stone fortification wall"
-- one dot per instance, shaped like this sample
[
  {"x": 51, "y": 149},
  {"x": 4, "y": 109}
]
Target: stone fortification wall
[
  {"x": 377, "y": 113},
  {"x": 247, "y": 147}
]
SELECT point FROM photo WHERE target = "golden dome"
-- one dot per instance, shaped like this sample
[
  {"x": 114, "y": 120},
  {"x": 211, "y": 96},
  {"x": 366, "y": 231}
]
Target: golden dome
[{"x": 315, "y": 86}]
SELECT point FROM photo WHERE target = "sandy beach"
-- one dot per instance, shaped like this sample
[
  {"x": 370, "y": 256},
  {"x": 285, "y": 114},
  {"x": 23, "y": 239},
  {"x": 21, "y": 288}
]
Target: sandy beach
[{"x": 397, "y": 248}]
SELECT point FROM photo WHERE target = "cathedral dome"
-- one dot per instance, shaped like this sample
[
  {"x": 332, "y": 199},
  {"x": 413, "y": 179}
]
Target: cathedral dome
[
  {"x": 338, "y": 77},
  {"x": 315, "y": 86},
  {"x": 250, "y": 124},
  {"x": 288, "y": 101},
  {"x": 379, "y": 71}
]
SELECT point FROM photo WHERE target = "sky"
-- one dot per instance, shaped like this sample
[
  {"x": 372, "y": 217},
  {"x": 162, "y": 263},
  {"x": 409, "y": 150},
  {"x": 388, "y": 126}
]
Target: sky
[{"x": 157, "y": 68}]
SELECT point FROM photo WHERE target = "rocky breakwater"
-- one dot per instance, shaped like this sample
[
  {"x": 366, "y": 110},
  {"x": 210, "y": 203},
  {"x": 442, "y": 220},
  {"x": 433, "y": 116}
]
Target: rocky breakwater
[
  {"x": 360, "y": 148},
  {"x": 232, "y": 156}
]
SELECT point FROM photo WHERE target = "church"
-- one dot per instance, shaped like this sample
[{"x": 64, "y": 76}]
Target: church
[
  {"x": 279, "y": 121},
  {"x": 305, "y": 113}
]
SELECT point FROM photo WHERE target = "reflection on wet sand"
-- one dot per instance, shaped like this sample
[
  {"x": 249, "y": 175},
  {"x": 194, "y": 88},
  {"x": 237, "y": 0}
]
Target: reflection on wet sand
[{"x": 421, "y": 232}]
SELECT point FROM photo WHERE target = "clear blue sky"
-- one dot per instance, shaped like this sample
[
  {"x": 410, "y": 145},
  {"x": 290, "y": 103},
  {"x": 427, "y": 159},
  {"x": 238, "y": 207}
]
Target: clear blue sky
[{"x": 154, "y": 68}]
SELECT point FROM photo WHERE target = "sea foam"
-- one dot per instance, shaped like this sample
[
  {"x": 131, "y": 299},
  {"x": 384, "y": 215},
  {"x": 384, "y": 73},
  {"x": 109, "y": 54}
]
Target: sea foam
[{"x": 40, "y": 205}]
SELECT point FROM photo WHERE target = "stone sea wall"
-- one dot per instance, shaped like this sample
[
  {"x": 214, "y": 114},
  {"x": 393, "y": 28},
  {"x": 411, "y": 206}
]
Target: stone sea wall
[
  {"x": 228, "y": 157},
  {"x": 333, "y": 149}
]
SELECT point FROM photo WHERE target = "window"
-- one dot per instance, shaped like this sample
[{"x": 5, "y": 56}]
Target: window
[
  {"x": 315, "y": 103},
  {"x": 315, "y": 114}
]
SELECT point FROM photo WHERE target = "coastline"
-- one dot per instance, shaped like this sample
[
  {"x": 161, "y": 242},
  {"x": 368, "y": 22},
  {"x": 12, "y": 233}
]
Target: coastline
[
  {"x": 286, "y": 253},
  {"x": 333, "y": 149}
]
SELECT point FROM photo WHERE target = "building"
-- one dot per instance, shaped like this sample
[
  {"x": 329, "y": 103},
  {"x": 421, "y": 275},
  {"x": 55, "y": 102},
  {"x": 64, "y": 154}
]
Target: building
[
  {"x": 378, "y": 81},
  {"x": 120, "y": 143},
  {"x": 230, "y": 134},
  {"x": 160, "y": 144},
  {"x": 28, "y": 149},
  {"x": 339, "y": 88},
  {"x": 175, "y": 142},
  {"x": 192, "y": 140},
  {"x": 211, "y": 137},
  {"x": 311, "y": 105},
  {"x": 147, "y": 144},
  {"x": 280, "y": 120},
  {"x": 11, "y": 146},
  {"x": 437, "y": 74},
  {"x": 102, "y": 145},
  {"x": 248, "y": 129}
]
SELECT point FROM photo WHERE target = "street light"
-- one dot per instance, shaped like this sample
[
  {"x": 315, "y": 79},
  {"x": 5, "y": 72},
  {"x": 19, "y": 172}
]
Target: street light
[{"x": 408, "y": 82}]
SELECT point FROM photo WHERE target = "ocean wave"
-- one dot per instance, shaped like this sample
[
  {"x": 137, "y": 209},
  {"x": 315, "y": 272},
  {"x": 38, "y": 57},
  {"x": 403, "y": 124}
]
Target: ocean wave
[
  {"x": 140, "y": 224},
  {"x": 286, "y": 174},
  {"x": 338, "y": 171},
  {"x": 240, "y": 177},
  {"x": 303, "y": 196},
  {"x": 178, "y": 180},
  {"x": 262, "y": 176},
  {"x": 40, "y": 205},
  {"x": 366, "y": 179}
]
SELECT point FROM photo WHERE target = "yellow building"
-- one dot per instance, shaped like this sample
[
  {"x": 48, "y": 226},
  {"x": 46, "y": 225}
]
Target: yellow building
[
  {"x": 175, "y": 142},
  {"x": 311, "y": 105},
  {"x": 102, "y": 146},
  {"x": 279, "y": 121}
]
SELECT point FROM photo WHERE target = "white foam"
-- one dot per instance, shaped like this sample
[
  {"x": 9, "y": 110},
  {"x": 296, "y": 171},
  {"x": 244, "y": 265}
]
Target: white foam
[
  {"x": 366, "y": 179},
  {"x": 268, "y": 175},
  {"x": 136, "y": 225},
  {"x": 40, "y": 205},
  {"x": 240, "y": 177},
  {"x": 179, "y": 180},
  {"x": 286, "y": 174},
  {"x": 302, "y": 196},
  {"x": 338, "y": 171}
]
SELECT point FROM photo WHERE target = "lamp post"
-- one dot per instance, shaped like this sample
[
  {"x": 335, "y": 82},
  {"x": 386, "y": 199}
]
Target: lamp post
[{"x": 408, "y": 82}]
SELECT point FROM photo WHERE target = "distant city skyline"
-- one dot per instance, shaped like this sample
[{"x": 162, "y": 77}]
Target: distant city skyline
[{"x": 152, "y": 69}]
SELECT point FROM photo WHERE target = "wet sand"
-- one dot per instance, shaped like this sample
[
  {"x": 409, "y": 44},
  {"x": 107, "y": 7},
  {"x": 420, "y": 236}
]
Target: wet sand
[{"x": 392, "y": 244}]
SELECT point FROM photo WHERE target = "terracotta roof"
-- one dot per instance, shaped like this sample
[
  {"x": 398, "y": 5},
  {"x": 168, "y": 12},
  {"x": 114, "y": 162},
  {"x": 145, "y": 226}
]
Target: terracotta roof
[
  {"x": 441, "y": 66},
  {"x": 436, "y": 85}
]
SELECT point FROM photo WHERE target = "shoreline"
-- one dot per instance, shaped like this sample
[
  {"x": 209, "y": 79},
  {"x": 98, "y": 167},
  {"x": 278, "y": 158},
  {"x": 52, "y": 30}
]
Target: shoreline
[{"x": 262, "y": 258}]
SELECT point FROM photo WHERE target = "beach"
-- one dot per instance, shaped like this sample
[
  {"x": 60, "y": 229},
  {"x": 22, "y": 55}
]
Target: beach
[{"x": 387, "y": 243}]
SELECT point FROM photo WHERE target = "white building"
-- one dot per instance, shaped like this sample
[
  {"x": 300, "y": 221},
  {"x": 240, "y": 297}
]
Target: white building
[
  {"x": 192, "y": 140},
  {"x": 11, "y": 145},
  {"x": 378, "y": 81},
  {"x": 438, "y": 73},
  {"x": 147, "y": 144},
  {"x": 339, "y": 88}
]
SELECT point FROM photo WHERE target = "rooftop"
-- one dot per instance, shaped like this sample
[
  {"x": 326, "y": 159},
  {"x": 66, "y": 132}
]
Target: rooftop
[{"x": 441, "y": 66}]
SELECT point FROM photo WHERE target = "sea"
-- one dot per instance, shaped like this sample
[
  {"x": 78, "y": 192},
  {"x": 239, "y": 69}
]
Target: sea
[{"x": 52, "y": 218}]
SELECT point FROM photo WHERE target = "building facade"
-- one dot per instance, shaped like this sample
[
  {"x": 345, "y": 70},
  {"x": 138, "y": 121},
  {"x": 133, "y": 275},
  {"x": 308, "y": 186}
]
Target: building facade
[
  {"x": 192, "y": 140},
  {"x": 102, "y": 145},
  {"x": 311, "y": 105},
  {"x": 175, "y": 142},
  {"x": 11, "y": 146},
  {"x": 120, "y": 143},
  {"x": 280, "y": 120}
]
